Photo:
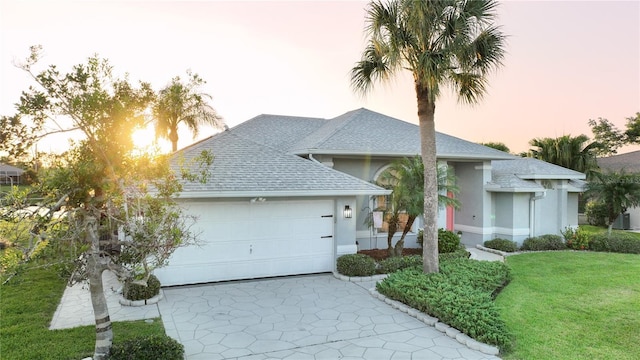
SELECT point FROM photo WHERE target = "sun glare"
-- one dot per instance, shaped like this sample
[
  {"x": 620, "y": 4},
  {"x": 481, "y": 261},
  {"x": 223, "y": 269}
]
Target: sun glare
[{"x": 144, "y": 141}]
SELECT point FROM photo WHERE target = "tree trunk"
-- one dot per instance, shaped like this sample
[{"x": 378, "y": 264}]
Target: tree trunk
[
  {"x": 96, "y": 265},
  {"x": 400, "y": 244},
  {"x": 426, "y": 111},
  {"x": 173, "y": 137},
  {"x": 391, "y": 230}
]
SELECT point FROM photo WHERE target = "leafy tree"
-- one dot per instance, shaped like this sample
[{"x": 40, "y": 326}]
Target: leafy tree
[
  {"x": 610, "y": 138},
  {"x": 182, "y": 103},
  {"x": 570, "y": 152},
  {"x": 406, "y": 178},
  {"x": 497, "y": 145},
  {"x": 450, "y": 43},
  {"x": 633, "y": 129},
  {"x": 100, "y": 206},
  {"x": 618, "y": 191}
]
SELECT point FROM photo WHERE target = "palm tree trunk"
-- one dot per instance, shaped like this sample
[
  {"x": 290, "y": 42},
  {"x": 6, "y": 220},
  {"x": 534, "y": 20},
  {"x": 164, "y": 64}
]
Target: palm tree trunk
[
  {"x": 400, "y": 244},
  {"x": 173, "y": 137},
  {"x": 95, "y": 267},
  {"x": 426, "y": 112}
]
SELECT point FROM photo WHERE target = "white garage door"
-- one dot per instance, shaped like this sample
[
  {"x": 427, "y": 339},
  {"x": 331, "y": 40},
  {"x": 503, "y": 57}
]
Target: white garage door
[{"x": 243, "y": 240}]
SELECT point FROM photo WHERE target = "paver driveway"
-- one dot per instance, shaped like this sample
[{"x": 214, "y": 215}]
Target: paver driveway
[{"x": 302, "y": 317}]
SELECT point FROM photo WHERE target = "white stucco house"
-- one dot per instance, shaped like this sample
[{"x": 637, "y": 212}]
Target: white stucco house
[
  {"x": 630, "y": 163},
  {"x": 288, "y": 195}
]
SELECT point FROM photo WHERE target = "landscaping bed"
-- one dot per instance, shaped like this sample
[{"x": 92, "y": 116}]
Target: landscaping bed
[{"x": 381, "y": 254}]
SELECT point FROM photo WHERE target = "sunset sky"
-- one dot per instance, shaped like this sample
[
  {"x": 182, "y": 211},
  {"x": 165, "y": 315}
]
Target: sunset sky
[{"x": 567, "y": 62}]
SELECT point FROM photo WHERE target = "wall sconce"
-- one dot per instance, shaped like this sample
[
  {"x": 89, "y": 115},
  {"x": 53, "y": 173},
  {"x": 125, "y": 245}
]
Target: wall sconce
[{"x": 347, "y": 213}]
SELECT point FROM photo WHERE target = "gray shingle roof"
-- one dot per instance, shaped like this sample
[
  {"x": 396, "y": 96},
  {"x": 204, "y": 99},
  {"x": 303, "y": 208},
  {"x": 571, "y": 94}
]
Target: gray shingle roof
[
  {"x": 365, "y": 132},
  {"x": 244, "y": 168},
  {"x": 530, "y": 168},
  {"x": 517, "y": 175},
  {"x": 629, "y": 162},
  {"x": 278, "y": 131},
  {"x": 9, "y": 170}
]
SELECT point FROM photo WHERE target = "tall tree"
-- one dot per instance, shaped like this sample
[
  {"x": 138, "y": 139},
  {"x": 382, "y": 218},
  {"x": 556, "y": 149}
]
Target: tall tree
[
  {"x": 497, "y": 145},
  {"x": 610, "y": 138},
  {"x": 617, "y": 190},
  {"x": 182, "y": 103},
  {"x": 574, "y": 153},
  {"x": 406, "y": 177},
  {"x": 106, "y": 217},
  {"x": 451, "y": 43}
]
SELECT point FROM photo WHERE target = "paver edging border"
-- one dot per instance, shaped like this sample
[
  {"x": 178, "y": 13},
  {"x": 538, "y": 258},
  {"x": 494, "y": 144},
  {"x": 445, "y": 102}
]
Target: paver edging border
[
  {"x": 451, "y": 332},
  {"x": 354, "y": 279},
  {"x": 151, "y": 301}
]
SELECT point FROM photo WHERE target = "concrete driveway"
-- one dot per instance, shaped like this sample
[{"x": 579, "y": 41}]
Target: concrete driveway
[{"x": 303, "y": 317}]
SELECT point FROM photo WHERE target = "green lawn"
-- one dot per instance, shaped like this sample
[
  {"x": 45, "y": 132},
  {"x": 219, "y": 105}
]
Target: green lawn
[
  {"x": 573, "y": 305},
  {"x": 592, "y": 230},
  {"x": 27, "y": 304}
]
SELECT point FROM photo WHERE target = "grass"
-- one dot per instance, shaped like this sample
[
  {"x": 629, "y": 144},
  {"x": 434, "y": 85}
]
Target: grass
[
  {"x": 592, "y": 230},
  {"x": 573, "y": 305},
  {"x": 27, "y": 304}
]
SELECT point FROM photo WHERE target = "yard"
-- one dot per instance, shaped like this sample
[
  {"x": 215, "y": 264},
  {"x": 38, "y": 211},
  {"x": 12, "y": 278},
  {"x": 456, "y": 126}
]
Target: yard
[
  {"x": 573, "y": 305},
  {"x": 28, "y": 303}
]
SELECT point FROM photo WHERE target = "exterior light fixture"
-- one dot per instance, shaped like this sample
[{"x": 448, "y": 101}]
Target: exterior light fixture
[{"x": 347, "y": 213}]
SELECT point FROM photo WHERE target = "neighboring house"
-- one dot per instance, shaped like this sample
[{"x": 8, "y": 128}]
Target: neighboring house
[
  {"x": 10, "y": 175},
  {"x": 630, "y": 163},
  {"x": 288, "y": 195}
]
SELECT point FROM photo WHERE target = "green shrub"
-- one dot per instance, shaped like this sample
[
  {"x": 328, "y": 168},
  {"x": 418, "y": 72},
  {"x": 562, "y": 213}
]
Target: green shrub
[
  {"x": 396, "y": 263},
  {"x": 576, "y": 239},
  {"x": 132, "y": 291},
  {"x": 618, "y": 242},
  {"x": 448, "y": 241},
  {"x": 596, "y": 213},
  {"x": 461, "y": 295},
  {"x": 461, "y": 253},
  {"x": 356, "y": 265},
  {"x": 501, "y": 244},
  {"x": 544, "y": 242},
  {"x": 148, "y": 348}
]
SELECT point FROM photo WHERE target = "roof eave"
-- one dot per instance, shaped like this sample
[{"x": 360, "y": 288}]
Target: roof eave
[
  {"x": 278, "y": 193},
  {"x": 400, "y": 154}
]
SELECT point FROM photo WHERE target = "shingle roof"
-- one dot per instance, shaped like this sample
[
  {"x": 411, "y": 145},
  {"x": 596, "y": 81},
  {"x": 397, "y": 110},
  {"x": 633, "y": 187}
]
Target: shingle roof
[
  {"x": 243, "y": 168},
  {"x": 629, "y": 162},
  {"x": 278, "y": 131},
  {"x": 517, "y": 175},
  {"x": 530, "y": 168},
  {"x": 9, "y": 170},
  {"x": 365, "y": 132}
]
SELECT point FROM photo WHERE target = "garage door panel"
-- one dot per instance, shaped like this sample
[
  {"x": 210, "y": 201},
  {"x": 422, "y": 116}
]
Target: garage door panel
[{"x": 251, "y": 240}]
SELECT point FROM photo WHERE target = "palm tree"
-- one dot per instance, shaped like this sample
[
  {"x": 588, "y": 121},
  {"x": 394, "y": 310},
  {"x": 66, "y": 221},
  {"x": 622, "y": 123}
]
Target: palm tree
[
  {"x": 182, "y": 103},
  {"x": 617, "y": 190},
  {"x": 442, "y": 43},
  {"x": 407, "y": 179},
  {"x": 571, "y": 152}
]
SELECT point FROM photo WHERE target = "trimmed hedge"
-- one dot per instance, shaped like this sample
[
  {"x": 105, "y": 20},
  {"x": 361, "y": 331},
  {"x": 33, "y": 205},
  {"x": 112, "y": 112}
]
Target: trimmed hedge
[
  {"x": 147, "y": 348},
  {"x": 544, "y": 242},
  {"x": 393, "y": 264},
  {"x": 502, "y": 245},
  {"x": 356, "y": 265},
  {"x": 448, "y": 241},
  {"x": 461, "y": 253},
  {"x": 132, "y": 291},
  {"x": 617, "y": 242},
  {"x": 461, "y": 295}
]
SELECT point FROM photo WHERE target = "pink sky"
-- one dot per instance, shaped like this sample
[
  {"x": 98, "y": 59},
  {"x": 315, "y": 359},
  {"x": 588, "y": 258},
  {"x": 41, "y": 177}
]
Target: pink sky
[{"x": 567, "y": 62}]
